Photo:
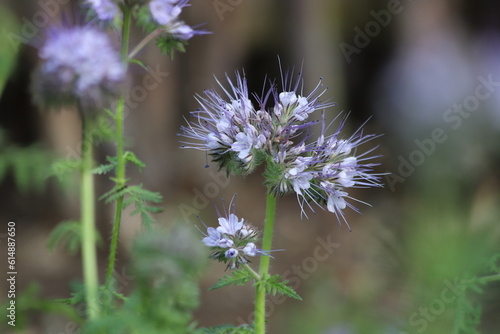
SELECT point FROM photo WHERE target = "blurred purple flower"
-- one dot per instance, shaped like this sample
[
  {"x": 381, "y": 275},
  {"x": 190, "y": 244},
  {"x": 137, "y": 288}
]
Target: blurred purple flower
[
  {"x": 105, "y": 9},
  {"x": 78, "y": 65}
]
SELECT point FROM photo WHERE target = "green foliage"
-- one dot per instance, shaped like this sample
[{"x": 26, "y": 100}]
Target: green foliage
[
  {"x": 29, "y": 301},
  {"x": 273, "y": 286},
  {"x": 29, "y": 165},
  {"x": 111, "y": 164},
  {"x": 229, "y": 329},
  {"x": 63, "y": 167},
  {"x": 467, "y": 316},
  {"x": 8, "y": 44},
  {"x": 103, "y": 129},
  {"x": 132, "y": 158},
  {"x": 141, "y": 198},
  {"x": 68, "y": 234},
  {"x": 139, "y": 62},
  {"x": 166, "y": 265},
  {"x": 168, "y": 45},
  {"x": 493, "y": 264},
  {"x": 239, "y": 277},
  {"x": 105, "y": 168}
]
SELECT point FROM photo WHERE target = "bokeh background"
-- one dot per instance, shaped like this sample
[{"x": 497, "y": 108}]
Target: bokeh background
[{"x": 427, "y": 72}]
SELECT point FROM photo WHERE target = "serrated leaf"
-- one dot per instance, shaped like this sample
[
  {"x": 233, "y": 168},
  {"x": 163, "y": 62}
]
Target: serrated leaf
[
  {"x": 114, "y": 194},
  {"x": 68, "y": 234},
  {"x": 238, "y": 277},
  {"x": 273, "y": 286},
  {"x": 103, "y": 169},
  {"x": 131, "y": 157},
  {"x": 142, "y": 194},
  {"x": 103, "y": 130},
  {"x": 229, "y": 329}
]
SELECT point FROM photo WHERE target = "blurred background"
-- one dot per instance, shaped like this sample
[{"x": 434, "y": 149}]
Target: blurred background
[{"x": 426, "y": 73}]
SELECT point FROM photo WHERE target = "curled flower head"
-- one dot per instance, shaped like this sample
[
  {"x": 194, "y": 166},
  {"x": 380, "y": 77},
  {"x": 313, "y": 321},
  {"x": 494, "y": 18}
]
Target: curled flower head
[
  {"x": 277, "y": 130},
  {"x": 78, "y": 66},
  {"x": 233, "y": 241}
]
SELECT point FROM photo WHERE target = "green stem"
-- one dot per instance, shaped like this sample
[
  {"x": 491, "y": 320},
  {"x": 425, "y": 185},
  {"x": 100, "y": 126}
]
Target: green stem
[
  {"x": 488, "y": 279},
  {"x": 260, "y": 293},
  {"x": 120, "y": 161},
  {"x": 252, "y": 272},
  {"x": 88, "y": 225}
]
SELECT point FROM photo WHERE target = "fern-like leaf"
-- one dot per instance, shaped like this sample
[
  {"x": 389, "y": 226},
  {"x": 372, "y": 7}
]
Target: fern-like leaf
[
  {"x": 68, "y": 234},
  {"x": 132, "y": 158},
  {"x": 229, "y": 329},
  {"x": 239, "y": 277},
  {"x": 273, "y": 286}
]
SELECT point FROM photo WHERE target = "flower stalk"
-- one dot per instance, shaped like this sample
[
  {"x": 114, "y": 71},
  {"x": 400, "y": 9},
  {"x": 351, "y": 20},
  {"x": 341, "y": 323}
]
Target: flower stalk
[
  {"x": 120, "y": 166},
  {"x": 89, "y": 257},
  {"x": 260, "y": 293}
]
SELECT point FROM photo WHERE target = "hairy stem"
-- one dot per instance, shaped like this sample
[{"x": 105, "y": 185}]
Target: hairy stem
[
  {"x": 144, "y": 42},
  {"x": 260, "y": 293},
  {"x": 89, "y": 257},
  {"x": 120, "y": 166},
  {"x": 252, "y": 272}
]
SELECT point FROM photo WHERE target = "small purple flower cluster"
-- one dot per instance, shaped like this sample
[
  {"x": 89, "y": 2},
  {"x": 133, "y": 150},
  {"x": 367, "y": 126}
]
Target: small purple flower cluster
[
  {"x": 239, "y": 137},
  {"x": 233, "y": 241},
  {"x": 106, "y": 10},
  {"x": 166, "y": 13}
]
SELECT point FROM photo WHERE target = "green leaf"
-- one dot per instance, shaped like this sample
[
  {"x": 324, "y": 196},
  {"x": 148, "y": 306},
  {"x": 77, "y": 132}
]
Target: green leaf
[
  {"x": 168, "y": 44},
  {"x": 29, "y": 166},
  {"x": 103, "y": 130},
  {"x": 273, "y": 286},
  {"x": 104, "y": 169},
  {"x": 64, "y": 166},
  {"x": 239, "y": 277},
  {"x": 131, "y": 157},
  {"x": 9, "y": 44},
  {"x": 142, "y": 194},
  {"x": 229, "y": 329},
  {"x": 114, "y": 194},
  {"x": 68, "y": 234},
  {"x": 140, "y": 198},
  {"x": 139, "y": 62}
]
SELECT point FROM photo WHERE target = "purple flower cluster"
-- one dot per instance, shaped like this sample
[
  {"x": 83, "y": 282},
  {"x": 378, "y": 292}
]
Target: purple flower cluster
[
  {"x": 239, "y": 136},
  {"x": 78, "y": 65},
  {"x": 233, "y": 241},
  {"x": 164, "y": 13}
]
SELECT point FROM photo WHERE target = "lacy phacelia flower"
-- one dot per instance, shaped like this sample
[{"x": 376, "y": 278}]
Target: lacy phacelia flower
[
  {"x": 239, "y": 136},
  {"x": 166, "y": 14},
  {"x": 78, "y": 65},
  {"x": 233, "y": 241},
  {"x": 106, "y": 10}
]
